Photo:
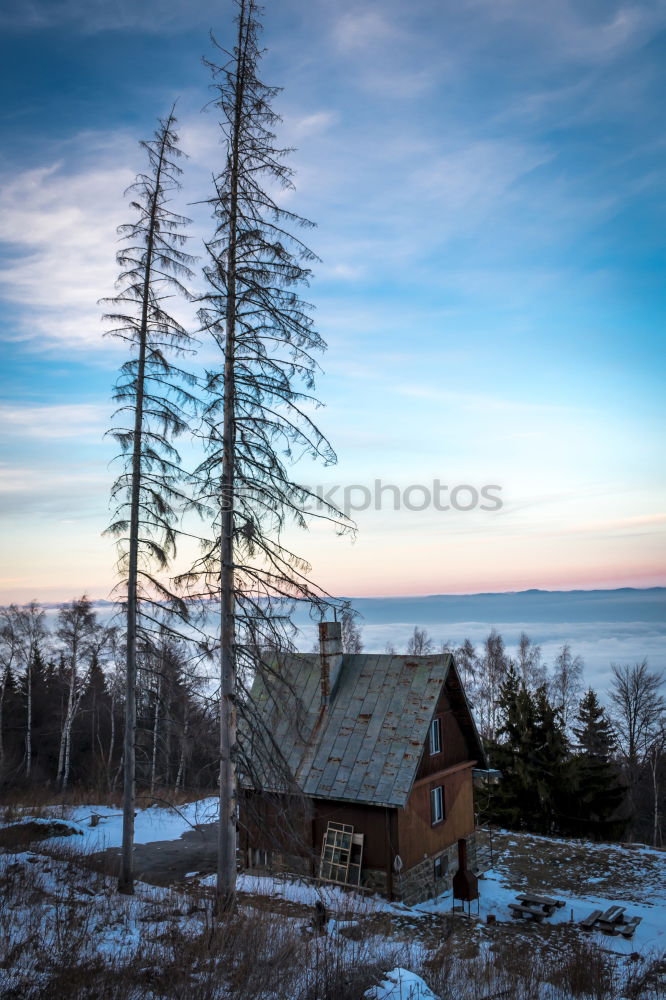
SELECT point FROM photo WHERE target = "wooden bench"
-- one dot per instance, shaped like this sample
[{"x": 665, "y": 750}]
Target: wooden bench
[
  {"x": 612, "y": 915},
  {"x": 524, "y": 910},
  {"x": 629, "y": 926},
  {"x": 589, "y": 922},
  {"x": 548, "y": 904}
]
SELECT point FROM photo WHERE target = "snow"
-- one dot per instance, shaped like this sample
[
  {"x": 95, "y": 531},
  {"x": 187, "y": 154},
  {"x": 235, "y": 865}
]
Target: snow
[
  {"x": 400, "y": 984},
  {"x": 295, "y": 890},
  {"x": 150, "y": 825},
  {"x": 641, "y": 896},
  {"x": 495, "y": 895}
]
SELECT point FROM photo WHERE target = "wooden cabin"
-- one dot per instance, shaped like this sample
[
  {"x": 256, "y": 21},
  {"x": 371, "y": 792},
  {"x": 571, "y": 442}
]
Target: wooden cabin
[{"x": 380, "y": 751}]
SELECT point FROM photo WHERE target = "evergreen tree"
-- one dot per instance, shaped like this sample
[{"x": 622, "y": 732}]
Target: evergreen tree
[
  {"x": 514, "y": 801},
  {"x": 551, "y": 761},
  {"x": 597, "y": 792},
  {"x": 532, "y": 753}
]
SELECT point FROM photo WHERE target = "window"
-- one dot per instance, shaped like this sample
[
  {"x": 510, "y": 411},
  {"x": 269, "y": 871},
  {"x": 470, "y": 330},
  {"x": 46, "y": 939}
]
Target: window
[
  {"x": 441, "y": 866},
  {"x": 435, "y": 736},
  {"x": 437, "y": 804}
]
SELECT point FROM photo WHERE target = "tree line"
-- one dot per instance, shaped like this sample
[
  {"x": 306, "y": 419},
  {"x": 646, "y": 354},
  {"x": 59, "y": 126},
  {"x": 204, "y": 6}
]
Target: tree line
[
  {"x": 569, "y": 764},
  {"x": 62, "y": 707}
]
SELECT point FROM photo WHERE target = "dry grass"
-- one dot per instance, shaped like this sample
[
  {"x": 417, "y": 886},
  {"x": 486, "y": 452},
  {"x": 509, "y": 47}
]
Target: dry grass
[
  {"x": 543, "y": 864},
  {"x": 65, "y": 932}
]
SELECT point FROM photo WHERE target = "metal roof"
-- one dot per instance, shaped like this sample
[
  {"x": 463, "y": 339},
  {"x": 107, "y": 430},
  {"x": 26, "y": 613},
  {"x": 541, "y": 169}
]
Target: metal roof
[{"x": 366, "y": 746}]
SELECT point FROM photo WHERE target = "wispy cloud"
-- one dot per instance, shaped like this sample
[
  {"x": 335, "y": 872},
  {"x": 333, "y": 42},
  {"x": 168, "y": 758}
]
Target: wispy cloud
[
  {"x": 44, "y": 492},
  {"x": 59, "y": 227},
  {"x": 55, "y": 422}
]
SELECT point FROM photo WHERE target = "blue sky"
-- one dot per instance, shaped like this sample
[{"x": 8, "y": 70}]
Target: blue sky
[{"x": 488, "y": 183}]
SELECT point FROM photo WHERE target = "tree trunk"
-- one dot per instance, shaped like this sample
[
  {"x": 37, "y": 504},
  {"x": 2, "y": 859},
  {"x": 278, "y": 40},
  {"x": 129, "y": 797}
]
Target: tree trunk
[
  {"x": 112, "y": 742},
  {"x": 2, "y": 704},
  {"x": 226, "y": 861},
  {"x": 180, "y": 777},
  {"x": 156, "y": 718},
  {"x": 67, "y": 722},
  {"x": 654, "y": 764},
  {"x": 28, "y": 735}
]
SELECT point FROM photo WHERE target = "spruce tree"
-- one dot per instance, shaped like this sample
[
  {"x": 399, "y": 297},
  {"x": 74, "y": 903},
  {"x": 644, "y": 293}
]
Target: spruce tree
[
  {"x": 532, "y": 753},
  {"x": 258, "y": 418},
  {"x": 154, "y": 408},
  {"x": 551, "y": 761},
  {"x": 597, "y": 792},
  {"x": 515, "y": 800}
]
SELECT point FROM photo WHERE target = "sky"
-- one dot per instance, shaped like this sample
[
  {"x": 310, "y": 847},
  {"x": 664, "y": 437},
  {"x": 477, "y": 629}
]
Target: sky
[{"x": 487, "y": 178}]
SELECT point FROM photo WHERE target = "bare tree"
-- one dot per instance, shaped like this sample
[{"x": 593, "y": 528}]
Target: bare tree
[
  {"x": 152, "y": 394},
  {"x": 566, "y": 683},
  {"x": 352, "y": 636},
  {"x": 493, "y": 666},
  {"x": 637, "y": 708},
  {"x": 419, "y": 643},
  {"x": 257, "y": 419},
  {"x": 27, "y": 633},
  {"x": 530, "y": 668},
  {"x": 467, "y": 661},
  {"x": 82, "y": 639}
]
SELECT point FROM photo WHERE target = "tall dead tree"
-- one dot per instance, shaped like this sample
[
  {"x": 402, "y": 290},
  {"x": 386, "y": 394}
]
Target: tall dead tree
[
  {"x": 256, "y": 418},
  {"x": 154, "y": 399}
]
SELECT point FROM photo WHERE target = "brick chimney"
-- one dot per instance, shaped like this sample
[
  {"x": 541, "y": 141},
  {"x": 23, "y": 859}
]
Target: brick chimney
[{"x": 330, "y": 653}]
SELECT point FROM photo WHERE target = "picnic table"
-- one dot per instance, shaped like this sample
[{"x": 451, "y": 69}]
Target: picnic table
[
  {"x": 533, "y": 907},
  {"x": 611, "y": 921},
  {"x": 536, "y": 913},
  {"x": 547, "y": 904}
]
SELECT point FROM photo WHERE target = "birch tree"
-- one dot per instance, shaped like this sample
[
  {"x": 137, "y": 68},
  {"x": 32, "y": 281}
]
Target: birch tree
[
  {"x": 566, "y": 682},
  {"x": 154, "y": 396},
  {"x": 9, "y": 657},
  {"x": 27, "y": 633},
  {"x": 419, "y": 643},
  {"x": 259, "y": 412},
  {"x": 82, "y": 638}
]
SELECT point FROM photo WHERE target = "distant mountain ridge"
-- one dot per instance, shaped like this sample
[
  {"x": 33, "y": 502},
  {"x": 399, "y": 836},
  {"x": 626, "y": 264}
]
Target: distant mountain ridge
[{"x": 619, "y": 604}]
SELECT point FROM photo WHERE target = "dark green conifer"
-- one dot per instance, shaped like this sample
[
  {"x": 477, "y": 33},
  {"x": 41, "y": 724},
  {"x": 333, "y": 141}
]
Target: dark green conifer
[{"x": 597, "y": 793}]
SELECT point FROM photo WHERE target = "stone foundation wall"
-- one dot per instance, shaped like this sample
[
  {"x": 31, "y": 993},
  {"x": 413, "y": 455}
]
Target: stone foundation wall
[
  {"x": 420, "y": 883},
  {"x": 375, "y": 880},
  {"x": 416, "y": 885}
]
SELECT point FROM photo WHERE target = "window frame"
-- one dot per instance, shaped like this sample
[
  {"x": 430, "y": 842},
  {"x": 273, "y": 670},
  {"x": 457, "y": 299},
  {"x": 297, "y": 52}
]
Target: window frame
[
  {"x": 440, "y": 868},
  {"x": 437, "y": 815},
  {"x": 435, "y": 727}
]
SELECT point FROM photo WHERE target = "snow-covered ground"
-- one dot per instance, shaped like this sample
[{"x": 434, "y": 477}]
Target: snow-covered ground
[
  {"x": 85, "y": 909},
  {"x": 636, "y": 875},
  {"x": 102, "y": 826}
]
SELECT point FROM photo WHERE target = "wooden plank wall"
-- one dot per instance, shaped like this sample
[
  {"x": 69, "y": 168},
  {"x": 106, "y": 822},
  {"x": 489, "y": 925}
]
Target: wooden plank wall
[
  {"x": 273, "y": 825},
  {"x": 455, "y": 745},
  {"x": 376, "y": 823},
  {"x": 417, "y": 837}
]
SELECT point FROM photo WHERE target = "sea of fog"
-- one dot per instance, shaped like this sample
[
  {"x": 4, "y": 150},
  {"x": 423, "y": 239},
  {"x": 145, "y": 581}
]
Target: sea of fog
[{"x": 602, "y": 626}]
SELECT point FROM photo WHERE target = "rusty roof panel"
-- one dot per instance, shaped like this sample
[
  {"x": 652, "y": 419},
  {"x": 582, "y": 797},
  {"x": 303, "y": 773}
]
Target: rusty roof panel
[{"x": 367, "y": 746}]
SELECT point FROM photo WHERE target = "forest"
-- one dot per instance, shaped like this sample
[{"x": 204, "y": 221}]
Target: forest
[{"x": 570, "y": 765}]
